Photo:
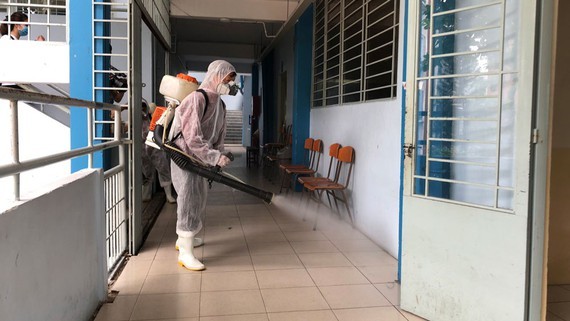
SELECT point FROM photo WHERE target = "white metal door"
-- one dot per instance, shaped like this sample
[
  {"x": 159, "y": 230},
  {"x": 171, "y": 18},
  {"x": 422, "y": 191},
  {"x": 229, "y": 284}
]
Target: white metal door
[{"x": 468, "y": 122}]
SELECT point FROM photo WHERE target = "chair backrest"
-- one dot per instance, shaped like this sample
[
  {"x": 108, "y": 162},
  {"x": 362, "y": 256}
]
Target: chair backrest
[
  {"x": 308, "y": 151},
  {"x": 317, "y": 150},
  {"x": 345, "y": 156},
  {"x": 333, "y": 153}
]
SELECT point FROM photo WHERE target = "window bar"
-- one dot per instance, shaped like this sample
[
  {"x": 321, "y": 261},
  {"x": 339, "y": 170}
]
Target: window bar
[
  {"x": 458, "y": 96},
  {"x": 500, "y": 105},
  {"x": 455, "y": 32},
  {"x": 465, "y": 53},
  {"x": 454, "y": 161},
  {"x": 479, "y": 6},
  {"x": 364, "y": 37},
  {"x": 48, "y": 29},
  {"x": 429, "y": 104},
  {"x": 325, "y": 52},
  {"x": 394, "y": 50},
  {"x": 481, "y": 74}
]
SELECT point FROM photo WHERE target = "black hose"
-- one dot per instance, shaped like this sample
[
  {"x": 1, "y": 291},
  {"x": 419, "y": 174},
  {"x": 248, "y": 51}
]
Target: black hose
[{"x": 186, "y": 163}]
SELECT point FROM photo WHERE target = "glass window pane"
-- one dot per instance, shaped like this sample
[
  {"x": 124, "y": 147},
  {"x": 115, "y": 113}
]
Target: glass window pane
[
  {"x": 467, "y": 64},
  {"x": 379, "y": 67},
  {"x": 467, "y": 152},
  {"x": 351, "y": 87},
  {"x": 467, "y": 41},
  {"x": 380, "y": 39},
  {"x": 332, "y": 101},
  {"x": 379, "y": 54},
  {"x": 353, "y": 77},
  {"x": 505, "y": 199},
  {"x": 419, "y": 186},
  {"x": 445, "y": 5},
  {"x": 485, "y": 131},
  {"x": 352, "y": 64},
  {"x": 422, "y": 102},
  {"x": 469, "y": 19},
  {"x": 459, "y": 107},
  {"x": 379, "y": 93},
  {"x": 462, "y": 193},
  {"x": 379, "y": 81},
  {"x": 511, "y": 41},
  {"x": 351, "y": 98},
  {"x": 463, "y": 172},
  {"x": 466, "y": 86},
  {"x": 507, "y": 138},
  {"x": 379, "y": 26}
]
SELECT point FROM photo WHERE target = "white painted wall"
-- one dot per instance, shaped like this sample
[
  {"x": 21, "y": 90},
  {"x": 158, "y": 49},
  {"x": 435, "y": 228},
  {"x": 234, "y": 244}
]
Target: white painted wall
[
  {"x": 39, "y": 136},
  {"x": 373, "y": 129},
  {"x": 53, "y": 253}
]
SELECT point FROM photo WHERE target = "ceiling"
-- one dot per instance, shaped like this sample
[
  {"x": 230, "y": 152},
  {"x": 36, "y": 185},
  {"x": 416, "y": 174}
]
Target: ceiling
[{"x": 237, "y": 31}]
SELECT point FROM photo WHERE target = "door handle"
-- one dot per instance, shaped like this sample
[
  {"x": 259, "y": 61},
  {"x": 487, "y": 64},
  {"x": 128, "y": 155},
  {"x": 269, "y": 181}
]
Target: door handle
[{"x": 408, "y": 149}]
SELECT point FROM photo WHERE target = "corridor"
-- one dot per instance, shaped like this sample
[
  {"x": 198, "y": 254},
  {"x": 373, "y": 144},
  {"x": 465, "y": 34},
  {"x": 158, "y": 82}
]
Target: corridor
[{"x": 263, "y": 262}]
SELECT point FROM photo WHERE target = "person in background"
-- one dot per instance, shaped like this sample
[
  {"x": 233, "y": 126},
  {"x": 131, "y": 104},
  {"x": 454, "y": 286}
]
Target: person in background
[
  {"x": 199, "y": 130},
  {"x": 17, "y": 30},
  {"x": 154, "y": 159},
  {"x": 13, "y": 30}
]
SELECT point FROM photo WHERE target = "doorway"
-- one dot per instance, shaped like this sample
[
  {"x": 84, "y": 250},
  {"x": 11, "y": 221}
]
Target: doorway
[{"x": 558, "y": 264}]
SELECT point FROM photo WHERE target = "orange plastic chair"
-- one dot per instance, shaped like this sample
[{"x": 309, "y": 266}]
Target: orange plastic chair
[
  {"x": 317, "y": 188},
  {"x": 333, "y": 154},
  {"x": 313, "y": 151}
]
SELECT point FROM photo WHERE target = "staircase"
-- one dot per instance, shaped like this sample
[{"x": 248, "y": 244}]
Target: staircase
[{"x": 234, "y": 127}]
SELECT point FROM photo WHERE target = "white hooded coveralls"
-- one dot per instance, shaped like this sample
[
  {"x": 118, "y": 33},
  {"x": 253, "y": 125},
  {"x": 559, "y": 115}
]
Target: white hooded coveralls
[{"x": 202, "y": 136}]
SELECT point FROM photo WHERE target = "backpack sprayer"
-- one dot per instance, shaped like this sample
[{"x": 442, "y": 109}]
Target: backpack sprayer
[{"x": 175, "y": 89}]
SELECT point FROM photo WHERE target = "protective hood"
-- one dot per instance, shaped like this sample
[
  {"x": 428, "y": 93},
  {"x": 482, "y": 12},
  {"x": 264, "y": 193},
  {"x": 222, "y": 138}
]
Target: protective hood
[{"x": 217, "y": 71}]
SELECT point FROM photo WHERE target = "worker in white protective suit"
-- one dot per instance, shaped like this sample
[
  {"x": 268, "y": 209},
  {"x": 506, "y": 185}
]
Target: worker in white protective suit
[{"x": 202, "y": 129}]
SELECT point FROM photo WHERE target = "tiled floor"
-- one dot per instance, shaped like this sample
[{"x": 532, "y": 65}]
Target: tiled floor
[
  {"x": 263, "y": 262},
  {"x": 558, "y": 303}
]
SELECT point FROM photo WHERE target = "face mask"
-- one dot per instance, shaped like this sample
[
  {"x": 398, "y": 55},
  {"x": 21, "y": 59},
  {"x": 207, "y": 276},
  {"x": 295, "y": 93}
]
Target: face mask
[
  {"x": 234, "y": 88},
  {"x": 223, "y": 89},
  {"x": 24, "y": 32}
]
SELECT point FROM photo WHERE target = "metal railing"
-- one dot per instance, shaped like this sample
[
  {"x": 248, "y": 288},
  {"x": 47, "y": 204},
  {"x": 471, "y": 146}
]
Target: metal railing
[{"x": 115, "y": 185}]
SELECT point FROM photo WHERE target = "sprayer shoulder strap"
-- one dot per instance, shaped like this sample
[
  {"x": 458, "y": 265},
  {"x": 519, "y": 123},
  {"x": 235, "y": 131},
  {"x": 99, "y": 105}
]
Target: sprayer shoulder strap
[
  {"x": 207, "y": 100},
  {"x": 205, "y": 109}
]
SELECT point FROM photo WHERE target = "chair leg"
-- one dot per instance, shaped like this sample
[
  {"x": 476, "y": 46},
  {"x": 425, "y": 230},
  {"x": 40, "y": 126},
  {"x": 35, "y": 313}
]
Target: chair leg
[
  {"x": 283, "y": 178},
  {"x": 307, "y": 201},
  {"x": 335, "y": 198},
  {"x": 319, "y": 201},
  {"x": 345, "y": 200}
]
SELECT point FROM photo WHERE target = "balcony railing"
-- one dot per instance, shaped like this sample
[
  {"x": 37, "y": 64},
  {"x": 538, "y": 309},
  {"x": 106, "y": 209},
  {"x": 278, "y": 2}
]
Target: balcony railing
[{"x": 115, "y": 185}]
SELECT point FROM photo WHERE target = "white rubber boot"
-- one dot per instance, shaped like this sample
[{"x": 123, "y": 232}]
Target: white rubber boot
[
  {"x": 197, "y": 242},
  {"x": 147, "y": 192},
  {"x": 168, "y": 192},
  {"x": 186, "y": 255}
]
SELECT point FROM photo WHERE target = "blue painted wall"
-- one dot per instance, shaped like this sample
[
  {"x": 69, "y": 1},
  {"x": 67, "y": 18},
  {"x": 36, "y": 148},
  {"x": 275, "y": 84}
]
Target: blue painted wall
[
  {"x": 302, "y": 81},
  {"x": 81, "y": 74}
]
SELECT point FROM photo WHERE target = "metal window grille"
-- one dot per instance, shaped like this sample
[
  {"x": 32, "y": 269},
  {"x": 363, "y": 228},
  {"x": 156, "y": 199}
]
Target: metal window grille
[
  {"x": 355, "y": 54},
  {"x": 465, "y": 88}
]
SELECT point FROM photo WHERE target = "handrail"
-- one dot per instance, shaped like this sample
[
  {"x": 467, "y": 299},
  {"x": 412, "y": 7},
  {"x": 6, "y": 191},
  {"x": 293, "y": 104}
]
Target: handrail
[
  {"x": 15, "y": 95},
  {"x": 21, "y": 95},
  {"x": 11, "y": 169}
]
